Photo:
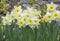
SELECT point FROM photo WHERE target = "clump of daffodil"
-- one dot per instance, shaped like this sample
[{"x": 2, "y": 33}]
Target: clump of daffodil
[
  {"x": 51, "y": 7},
  {"x": 53, "y": 12},
  {"x": 29, "y": 16}
]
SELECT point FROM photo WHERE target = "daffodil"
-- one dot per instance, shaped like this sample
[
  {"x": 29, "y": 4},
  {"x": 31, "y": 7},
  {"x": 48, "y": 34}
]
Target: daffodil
[
  {"x": 11, "y": 16},
  {"x": 56, "y": 14},
  {"x": 26, "y": 15},
  {"x": 42, "y": 20},
  {"x": 17, "y": 9},
  {"x": 51, "y": 7},
  {"x": 48, "y": 17},
  {"x": 35, "y": 14},
  {"x": 5, "y": 20},
  {"x": 36, "y": 21},
  {"x": 19, "y": 15},
  {"x": 29, "y": 21},
  {"x": 30, "y": 9},
  {"x": 21, "y": 23}
]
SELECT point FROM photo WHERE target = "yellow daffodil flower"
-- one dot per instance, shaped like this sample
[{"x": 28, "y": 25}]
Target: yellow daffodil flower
[
  {"x": 11, "y": 16},
  {"x": 26, "y": 16},
  {"x": 51, "y": 7},
  {"x": 16, "y": 9},
  {"x": 35, "y": 14},
  {"x": 5, "y": 20},
  {"x": 42, "y": 20},
  {"x": 29, "y": 21},
  {"x": 36, "y": 21},
  {"x": 21, "y": 23},
  {"x": 48, "y": 16},
  {"x": 56, "y": 15},
  {"x": 19, "y": 16}
]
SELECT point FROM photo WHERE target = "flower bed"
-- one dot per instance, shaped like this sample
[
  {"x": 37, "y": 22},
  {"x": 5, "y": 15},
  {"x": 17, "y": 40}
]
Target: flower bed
[{"x": 30, "y": 25}]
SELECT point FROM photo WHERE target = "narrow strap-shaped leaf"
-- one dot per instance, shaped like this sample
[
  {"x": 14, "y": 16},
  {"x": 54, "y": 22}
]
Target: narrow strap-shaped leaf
[{"x": 1, "y": 33}]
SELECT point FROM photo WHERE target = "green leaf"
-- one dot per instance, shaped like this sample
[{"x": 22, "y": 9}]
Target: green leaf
[{"x": 1, "y": 33}]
